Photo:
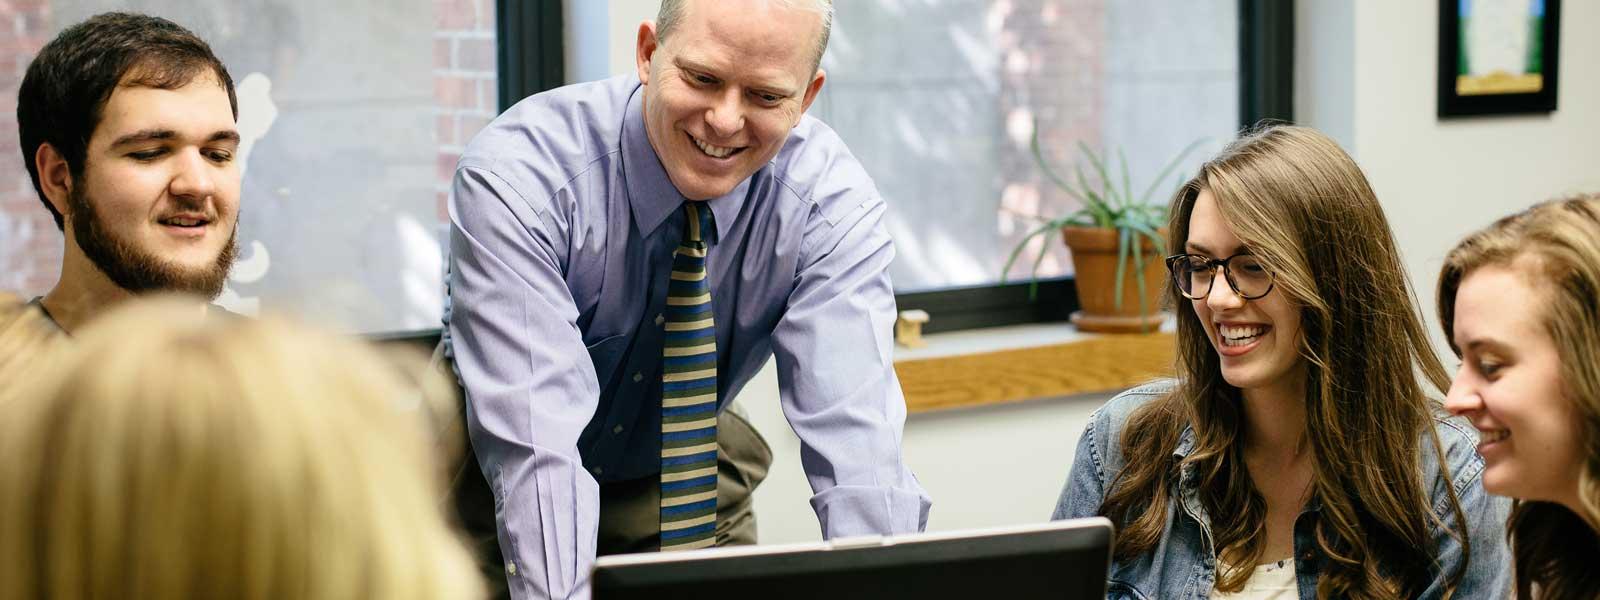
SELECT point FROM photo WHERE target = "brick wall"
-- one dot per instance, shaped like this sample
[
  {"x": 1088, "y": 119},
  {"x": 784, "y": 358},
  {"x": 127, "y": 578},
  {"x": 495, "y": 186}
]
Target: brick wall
[
  {"x": 30, "y": 245},
  {"x": 464, "y": 84}
]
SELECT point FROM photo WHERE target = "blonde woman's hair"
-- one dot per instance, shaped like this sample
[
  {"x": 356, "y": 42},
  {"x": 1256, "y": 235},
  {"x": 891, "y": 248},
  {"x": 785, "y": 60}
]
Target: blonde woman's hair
[
  {"x": 1303, "y": 206},
  {"x": 168, "y": 456},
  {"x": 1556, "y": 245}
]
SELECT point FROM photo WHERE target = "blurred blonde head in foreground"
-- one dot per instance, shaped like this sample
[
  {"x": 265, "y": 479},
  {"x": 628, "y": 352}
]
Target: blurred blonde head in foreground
[{"x": 167, "y": 456}]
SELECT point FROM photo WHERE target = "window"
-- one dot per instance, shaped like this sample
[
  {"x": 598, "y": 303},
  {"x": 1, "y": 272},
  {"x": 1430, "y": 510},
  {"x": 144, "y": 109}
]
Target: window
[
  {"x": 352, "y": 118},
  {"x": 939, "y": 101}
]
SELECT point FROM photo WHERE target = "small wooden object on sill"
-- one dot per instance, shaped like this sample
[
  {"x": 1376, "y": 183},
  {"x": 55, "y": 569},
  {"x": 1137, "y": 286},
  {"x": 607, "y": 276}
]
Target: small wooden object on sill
[
  {"x": 1097, "y": 364},
  {"x": 908, "y": 328}
]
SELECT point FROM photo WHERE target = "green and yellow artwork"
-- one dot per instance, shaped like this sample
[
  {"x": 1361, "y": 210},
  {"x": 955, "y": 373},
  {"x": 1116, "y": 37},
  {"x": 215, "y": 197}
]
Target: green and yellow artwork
[{"x": 1501, "y": 47}]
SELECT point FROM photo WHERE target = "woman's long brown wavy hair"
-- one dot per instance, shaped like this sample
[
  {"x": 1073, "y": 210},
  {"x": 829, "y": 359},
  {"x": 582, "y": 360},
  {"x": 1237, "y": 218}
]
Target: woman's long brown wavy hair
[
  {"x": 1302, "y": 205},
  {"x": 1556, "y": 549}
]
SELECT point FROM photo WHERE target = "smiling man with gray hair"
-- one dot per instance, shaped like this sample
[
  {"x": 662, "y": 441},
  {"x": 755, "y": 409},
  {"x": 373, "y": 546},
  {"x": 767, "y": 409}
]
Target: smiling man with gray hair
[{"x": 628, "y": 253}]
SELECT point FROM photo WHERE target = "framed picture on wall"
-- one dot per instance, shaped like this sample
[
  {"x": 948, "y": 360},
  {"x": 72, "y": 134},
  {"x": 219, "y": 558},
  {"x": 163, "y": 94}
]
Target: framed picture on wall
[{"x": 1498, "y": 56}]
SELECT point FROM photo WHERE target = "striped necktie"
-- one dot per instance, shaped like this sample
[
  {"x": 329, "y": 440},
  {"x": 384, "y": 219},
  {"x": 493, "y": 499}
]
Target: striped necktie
[{"x": 689, "y": 396}]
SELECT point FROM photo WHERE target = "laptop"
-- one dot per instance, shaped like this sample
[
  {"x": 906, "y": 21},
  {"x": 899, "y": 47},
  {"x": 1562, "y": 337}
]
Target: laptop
[{"x": 1062, "y": 560}]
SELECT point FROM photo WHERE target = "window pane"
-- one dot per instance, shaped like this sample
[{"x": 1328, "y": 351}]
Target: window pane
[
  {"x": 939, "y": 99},
  {"x": 353, "y": 119}
]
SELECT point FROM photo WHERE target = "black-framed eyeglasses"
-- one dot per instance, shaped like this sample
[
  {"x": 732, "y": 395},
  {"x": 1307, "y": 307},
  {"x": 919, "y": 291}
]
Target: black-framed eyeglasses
[{"x": 1193, "y": 274}]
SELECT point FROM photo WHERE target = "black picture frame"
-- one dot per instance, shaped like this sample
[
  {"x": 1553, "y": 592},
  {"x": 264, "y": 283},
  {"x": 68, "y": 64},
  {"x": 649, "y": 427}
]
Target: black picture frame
[{"x": 1532, "y": 91}]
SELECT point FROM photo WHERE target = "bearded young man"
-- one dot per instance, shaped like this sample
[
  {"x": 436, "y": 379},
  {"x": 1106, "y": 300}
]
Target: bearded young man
[
  {"x": 127, "y": 128},
  {"x": 627, "y": 254}
]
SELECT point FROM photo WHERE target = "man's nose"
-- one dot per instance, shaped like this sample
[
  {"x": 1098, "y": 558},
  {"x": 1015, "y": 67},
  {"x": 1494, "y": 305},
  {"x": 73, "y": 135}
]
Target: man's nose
[
  {"x": 195, "y": 176},
  {"x": 726, "y": 116}
]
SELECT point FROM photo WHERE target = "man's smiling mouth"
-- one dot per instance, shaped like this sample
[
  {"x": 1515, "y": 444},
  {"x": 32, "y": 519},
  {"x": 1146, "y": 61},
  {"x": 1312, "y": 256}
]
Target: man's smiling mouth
[{"x": 714, "y": 151}]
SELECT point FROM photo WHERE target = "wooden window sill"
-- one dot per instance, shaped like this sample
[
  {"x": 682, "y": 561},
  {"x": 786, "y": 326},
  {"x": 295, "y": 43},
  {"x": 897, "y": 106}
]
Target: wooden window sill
[{"x": 1012, "y": 364}]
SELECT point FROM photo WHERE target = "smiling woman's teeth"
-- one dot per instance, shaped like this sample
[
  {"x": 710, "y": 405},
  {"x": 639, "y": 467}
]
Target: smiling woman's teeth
[
  {"x": 713, "y": 151},
  {"x": 1239, "y": 335},
  {"x": 1489, "y": 437}
]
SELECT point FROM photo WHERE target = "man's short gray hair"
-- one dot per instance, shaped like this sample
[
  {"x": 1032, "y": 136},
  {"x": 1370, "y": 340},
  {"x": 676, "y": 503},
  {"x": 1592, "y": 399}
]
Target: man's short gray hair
[{"x": 672, "y": 12}]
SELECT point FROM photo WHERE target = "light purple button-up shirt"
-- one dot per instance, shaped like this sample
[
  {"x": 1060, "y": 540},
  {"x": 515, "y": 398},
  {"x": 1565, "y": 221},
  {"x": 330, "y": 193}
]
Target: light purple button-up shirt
[{"x": 563, "y": 223}]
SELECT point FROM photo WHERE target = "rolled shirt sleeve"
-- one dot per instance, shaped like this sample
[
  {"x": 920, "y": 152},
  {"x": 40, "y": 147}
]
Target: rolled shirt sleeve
[
  {"x": 836, "y": 378},
  {"x": 531, "y": 387}
]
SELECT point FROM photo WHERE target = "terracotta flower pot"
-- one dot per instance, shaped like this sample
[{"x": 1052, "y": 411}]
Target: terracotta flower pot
[{"x": 1094, "y": 260}]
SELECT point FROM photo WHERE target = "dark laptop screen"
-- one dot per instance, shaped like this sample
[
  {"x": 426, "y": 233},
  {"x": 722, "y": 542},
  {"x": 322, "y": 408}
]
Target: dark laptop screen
[{"x": 1066, "y": 561}]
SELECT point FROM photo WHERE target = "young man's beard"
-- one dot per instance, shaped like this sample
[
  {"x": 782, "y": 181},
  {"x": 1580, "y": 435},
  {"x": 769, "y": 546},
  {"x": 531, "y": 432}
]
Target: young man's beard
[{"x": 136, "y": 270}]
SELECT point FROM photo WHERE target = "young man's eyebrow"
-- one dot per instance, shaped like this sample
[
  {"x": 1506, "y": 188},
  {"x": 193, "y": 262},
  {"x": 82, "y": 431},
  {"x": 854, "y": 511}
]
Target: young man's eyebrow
[
  {"x": 146, "y": 135},
  {"x": 161, "y": 135}
]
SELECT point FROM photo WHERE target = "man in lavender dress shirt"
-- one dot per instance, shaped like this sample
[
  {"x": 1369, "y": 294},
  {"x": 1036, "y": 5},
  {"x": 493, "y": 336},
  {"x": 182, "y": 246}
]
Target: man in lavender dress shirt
[{"x": 565, "y": 213}]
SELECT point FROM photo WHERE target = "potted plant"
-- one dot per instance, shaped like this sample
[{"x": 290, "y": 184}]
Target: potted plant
[{"x": 1115, "y": 236}]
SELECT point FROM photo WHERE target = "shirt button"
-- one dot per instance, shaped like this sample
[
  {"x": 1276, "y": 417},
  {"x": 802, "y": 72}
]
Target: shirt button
[
  {"x": 511, "y": 568},
  {"x": 660, "y": 319},
  {"x": 617, "y": 429},
  {"x": 638, "y": 377},
  {"x": 598, "y": 470}
]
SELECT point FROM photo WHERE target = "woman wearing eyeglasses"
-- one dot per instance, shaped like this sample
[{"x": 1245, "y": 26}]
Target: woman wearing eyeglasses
[{"x": 1296, "y": 455}]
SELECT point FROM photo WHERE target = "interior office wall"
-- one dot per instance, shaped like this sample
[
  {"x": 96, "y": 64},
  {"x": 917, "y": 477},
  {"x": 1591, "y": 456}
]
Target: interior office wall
[
  {"x": 624, "y": 28},
  {"x": 1367, "y": 75}
]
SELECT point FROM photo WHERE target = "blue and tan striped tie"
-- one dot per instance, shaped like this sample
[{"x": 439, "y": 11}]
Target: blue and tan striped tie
[{"x": 689, "y": 397}]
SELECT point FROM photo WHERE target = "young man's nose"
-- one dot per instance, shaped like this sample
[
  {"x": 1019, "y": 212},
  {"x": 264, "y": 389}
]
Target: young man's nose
[{"x": 195, "y": 176}]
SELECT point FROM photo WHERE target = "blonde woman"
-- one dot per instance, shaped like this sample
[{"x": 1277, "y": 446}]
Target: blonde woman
[
  {"x": 1520, "y": 304},
  {"x": 1296, "y": 455},
  {"x": 169, "y": 457}
]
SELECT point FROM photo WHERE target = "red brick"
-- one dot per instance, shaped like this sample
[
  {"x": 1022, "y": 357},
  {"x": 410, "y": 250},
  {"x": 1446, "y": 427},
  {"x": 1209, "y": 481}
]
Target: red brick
[
  {"x": 455, "y": 15},
  {"x": 488, "y": 96},
  {"x": 455, "y": 92},
  {"x": 475, "y": 55},
  {"x": 441, "y": 54},
  {"x": 468, "y": 126},
  {"x": 447, "y": 166},
  {"x": 444, "y": 127},
  {"x": 486, "y": 15}
]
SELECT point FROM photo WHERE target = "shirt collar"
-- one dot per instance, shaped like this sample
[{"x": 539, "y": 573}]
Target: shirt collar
[{"x": 651, "y": 195}]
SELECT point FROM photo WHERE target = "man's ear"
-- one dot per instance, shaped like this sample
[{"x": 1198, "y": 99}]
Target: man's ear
[
  {"x": 646, "y": 48},
  {"x": 55, "y": 177},
  {"x": 812, "y": 89}
]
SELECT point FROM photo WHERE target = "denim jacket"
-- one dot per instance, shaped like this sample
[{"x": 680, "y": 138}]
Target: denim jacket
[{"x": 1183, "y": 563}]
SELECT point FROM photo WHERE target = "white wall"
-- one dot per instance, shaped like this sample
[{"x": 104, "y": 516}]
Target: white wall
[
  {"x": 1439, "y": 180},
  {"x": 625, "y": 18}
]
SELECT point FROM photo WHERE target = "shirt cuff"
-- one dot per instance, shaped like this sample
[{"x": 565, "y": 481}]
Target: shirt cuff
[{"x": 848, "y": 510}]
